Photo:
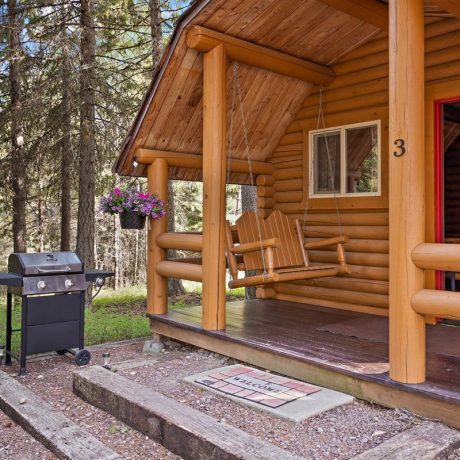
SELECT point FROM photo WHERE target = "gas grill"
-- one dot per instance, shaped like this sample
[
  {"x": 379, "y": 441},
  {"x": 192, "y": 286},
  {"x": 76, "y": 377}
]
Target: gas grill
[{"x": 52, "y": 287}]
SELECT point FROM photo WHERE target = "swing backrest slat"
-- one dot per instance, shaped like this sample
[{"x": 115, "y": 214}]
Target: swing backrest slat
[{"x": 277, "y": 225}]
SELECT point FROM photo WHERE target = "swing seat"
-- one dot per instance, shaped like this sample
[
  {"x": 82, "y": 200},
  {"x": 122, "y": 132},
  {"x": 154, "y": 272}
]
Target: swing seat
[{"x": 274, "y": 249}]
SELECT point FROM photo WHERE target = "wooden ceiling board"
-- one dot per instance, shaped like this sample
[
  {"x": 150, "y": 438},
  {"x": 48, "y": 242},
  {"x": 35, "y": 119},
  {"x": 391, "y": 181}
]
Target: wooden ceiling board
[{"x": 172, "y": 117}]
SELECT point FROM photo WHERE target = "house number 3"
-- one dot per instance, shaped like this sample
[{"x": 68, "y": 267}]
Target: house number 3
[{"x": 400, "y": 144}]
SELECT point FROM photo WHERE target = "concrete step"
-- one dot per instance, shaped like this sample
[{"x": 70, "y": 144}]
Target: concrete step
[{"x": 183, "y": 430}]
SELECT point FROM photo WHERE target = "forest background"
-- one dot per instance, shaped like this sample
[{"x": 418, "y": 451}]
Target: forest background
[{"x": 72, "y": 76}]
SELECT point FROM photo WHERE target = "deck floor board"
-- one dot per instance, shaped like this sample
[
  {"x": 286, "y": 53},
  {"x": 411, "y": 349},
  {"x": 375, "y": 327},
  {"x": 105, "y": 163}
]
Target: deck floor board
[{"x": 290, "y": 329}]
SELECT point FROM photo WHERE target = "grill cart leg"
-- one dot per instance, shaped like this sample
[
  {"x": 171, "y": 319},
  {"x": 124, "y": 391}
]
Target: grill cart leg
[
  {"x": 9, "y": 327},
  {"x": 23, "y": 370}
]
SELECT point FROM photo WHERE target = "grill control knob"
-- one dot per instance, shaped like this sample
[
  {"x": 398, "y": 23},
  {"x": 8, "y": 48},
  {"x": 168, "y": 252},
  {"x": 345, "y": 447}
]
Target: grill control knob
[
  {"x": 68, "y": 283},
  {"x": 41, "y": 285}
]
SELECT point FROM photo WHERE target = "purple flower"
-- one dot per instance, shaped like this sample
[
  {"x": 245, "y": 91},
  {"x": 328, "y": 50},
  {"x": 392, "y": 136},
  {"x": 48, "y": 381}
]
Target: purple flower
[{"x": 122, "y": 200}]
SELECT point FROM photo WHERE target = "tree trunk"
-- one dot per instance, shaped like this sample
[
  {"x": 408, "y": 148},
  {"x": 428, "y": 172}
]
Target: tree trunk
[
  {"x": 249, "y": 203},
  {"x": 66, "y": 143},
  {"x": 18, "y": 163},
  {"x": 155, "y": 31},
  {"x": 175, "y": 286},
  {"x": 86, "y": 212}
]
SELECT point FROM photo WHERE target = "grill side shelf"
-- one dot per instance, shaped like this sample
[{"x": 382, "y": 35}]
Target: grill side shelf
[{"x": 10, "y": 279}]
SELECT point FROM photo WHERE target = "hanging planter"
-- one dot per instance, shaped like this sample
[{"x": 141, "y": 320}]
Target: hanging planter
[
  {"x": 131, "y": 220},
  {"x": 132, "y": 207}
]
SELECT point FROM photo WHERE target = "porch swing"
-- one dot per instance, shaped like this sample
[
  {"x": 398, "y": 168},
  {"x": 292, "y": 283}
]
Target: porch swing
[{"x": 274, "y": 248}]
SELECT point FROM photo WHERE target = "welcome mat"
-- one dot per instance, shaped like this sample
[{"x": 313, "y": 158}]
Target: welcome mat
[
  {"x": 282, "y": 396},
  {"x": 440, "y": 339}
]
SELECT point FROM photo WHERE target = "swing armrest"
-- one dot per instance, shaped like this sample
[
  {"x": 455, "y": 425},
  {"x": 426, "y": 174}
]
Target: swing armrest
[
  {"x": 255, "y": 246},
  {"x": 327, "y": 242}
]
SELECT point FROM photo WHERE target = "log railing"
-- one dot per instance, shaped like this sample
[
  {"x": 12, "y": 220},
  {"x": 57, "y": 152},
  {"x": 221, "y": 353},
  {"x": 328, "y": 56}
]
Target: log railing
[
  {"x": 430, "y": 302},
  {"x": 185, "y": 268}
]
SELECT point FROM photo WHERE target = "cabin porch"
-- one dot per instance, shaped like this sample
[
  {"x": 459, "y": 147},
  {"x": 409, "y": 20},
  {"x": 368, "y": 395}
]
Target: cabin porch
[{"x": 289, "y": 338}]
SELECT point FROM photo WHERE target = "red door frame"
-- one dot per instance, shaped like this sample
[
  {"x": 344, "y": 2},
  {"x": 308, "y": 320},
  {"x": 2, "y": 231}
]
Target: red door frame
[{"x": 439, "y": 176}]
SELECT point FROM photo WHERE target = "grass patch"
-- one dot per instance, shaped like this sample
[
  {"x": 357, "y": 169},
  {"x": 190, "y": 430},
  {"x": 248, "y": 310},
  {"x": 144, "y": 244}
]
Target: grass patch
[{"x": 114, "y": 315}]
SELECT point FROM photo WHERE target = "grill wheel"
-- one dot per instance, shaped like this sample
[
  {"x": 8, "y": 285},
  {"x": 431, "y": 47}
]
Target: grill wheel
[{"x": 82, "y": 358}]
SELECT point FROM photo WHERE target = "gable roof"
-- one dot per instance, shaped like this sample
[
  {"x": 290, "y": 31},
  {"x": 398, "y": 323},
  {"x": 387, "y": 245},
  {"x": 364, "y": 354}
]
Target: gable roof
[{"x": 170, "y": 117}]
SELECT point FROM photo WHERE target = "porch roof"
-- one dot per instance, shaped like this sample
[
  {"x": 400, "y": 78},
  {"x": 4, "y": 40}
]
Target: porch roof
[{"x": 170, "y": 117}]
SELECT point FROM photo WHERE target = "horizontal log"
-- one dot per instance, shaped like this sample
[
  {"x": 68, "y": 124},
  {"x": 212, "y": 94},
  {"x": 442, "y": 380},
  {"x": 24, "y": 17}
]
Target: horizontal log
[
  {"x": 288, "y": 173},
  {"x": 265, "y": 191},
  {"x": 353, "y": 297},
  {"x": 282, "y": 149},
  {"x": 265, "y": 180},
  {"x": 354, "y": 258},
  {"x": 351, "y": 284},
  {"x": 352, "y": 231},
  {"x": 364, "y": 272},
  {"x": 292, "y": 196},
  {"x": 289, "y": 164},
  {"x": 179, "y": 270},
  {"x": 444, "y": 304},
  {"x": 346, "y": 218},
  {"x": 188, "y": 160},
  {"x": 436, "y": 256},
  {"x": 449, "y": 69},
  {"x": 359, "y": 102},
  {"x": 357, "y": 245},
  {"x": 265, "y": 202},
  {"x": 205, "y": 40},
  {"x": 288, "y": 185},
  {"x": 289, "y": 139},
  {"x": 360, "y": 89},
  {"x": 333, "y": 304},
  {"x": 325, "y": 242},
  {"x": 286, "y": 159},
  {"x": 180, "y": 241}
]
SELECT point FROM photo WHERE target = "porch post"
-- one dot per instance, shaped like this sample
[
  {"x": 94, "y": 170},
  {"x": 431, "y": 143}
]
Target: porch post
[
  {"x": 157, "y": 285},
  {"x": 407, "y": 187},
  {"x": 214, "y": 162}
]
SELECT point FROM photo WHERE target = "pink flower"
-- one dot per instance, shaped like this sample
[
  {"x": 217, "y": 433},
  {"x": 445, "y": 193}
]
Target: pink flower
[
  {"x": 143, "y": 195},
  {"x": 117, "y": 191}
]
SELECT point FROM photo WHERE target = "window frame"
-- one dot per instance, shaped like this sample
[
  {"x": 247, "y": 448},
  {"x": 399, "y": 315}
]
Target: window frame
[{"x": 343, "y": 161}]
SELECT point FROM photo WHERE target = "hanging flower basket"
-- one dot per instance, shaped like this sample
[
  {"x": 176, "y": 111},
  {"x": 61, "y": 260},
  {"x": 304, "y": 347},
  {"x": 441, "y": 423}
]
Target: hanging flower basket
[
  {"x": 132, "y": 207},
  {"x": 131, "y": 220}
]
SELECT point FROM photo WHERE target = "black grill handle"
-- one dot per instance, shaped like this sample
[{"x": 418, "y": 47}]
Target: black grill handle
[{"x": 65, "y": 270}]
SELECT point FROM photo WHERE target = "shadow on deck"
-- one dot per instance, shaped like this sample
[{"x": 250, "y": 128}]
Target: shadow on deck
[{"x": 286, "y": 337}]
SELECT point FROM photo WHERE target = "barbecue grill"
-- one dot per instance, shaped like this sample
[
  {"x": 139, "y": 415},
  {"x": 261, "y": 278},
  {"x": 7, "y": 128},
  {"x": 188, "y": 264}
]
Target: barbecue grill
[{"x": 52, "y": 287}]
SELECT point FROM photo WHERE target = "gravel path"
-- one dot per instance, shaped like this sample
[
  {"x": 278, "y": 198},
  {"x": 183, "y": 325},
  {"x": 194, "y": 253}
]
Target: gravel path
[
  {"x": 51, "y": 379},
  {"x": 337, "y": 434}
]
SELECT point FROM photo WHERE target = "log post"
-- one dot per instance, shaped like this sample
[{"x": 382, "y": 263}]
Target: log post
[
  {"x": 157, "y": 285},
  {"x": 407, "y": 187},
  {"x": 214, "y": 166}
]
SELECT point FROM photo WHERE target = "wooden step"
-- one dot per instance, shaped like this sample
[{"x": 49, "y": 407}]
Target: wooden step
[
  {"x": 49, "y": 425},
  {"x": 181, "y": 429}
]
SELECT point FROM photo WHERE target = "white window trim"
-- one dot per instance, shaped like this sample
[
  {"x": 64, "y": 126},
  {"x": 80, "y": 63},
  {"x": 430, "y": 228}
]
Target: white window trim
[{"x": 343, "y": 170}]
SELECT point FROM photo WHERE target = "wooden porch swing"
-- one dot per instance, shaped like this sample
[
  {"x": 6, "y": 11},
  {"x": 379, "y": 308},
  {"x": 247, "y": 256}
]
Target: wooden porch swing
[{"x": 274, "y": 248}]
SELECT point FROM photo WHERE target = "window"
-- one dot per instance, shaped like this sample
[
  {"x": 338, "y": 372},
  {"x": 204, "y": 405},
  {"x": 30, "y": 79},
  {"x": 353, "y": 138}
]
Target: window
[{"x": 345, "y": 161}]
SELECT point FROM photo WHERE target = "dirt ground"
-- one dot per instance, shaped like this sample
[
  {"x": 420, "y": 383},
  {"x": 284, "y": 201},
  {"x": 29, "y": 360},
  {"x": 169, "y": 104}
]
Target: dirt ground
[{"x": 340, "y": 433}]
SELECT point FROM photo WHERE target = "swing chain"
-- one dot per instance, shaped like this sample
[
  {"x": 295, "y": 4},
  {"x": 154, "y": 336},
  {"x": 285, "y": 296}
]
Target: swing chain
[{"x": 237, "y": 94}]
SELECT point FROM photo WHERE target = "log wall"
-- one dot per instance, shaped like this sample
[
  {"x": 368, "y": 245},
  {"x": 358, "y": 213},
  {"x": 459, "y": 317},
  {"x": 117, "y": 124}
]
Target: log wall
[{"x": 359, "y": 94}]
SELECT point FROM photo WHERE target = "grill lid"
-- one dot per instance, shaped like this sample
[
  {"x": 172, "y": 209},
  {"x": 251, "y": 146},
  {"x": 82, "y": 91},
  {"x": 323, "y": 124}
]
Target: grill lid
[{"x": 44, "y": 263}]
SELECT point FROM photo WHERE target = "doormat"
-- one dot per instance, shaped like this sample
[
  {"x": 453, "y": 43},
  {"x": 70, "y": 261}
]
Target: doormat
[{"x": 283, "y": 396}]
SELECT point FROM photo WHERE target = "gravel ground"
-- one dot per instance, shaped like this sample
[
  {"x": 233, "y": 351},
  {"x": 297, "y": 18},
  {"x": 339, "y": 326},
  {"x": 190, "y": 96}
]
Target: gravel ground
[
  {"x": 337, "y": 434},
  {"x": 51, "y": 378},
  {"x": 340, "y": 433}
]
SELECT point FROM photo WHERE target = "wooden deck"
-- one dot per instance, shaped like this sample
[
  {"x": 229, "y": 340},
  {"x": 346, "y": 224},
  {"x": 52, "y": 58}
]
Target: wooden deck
[{"x": 285, "y": 337}]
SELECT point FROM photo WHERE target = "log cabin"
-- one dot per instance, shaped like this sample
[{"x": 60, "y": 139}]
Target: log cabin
[{"x": 346, "y": 115}]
